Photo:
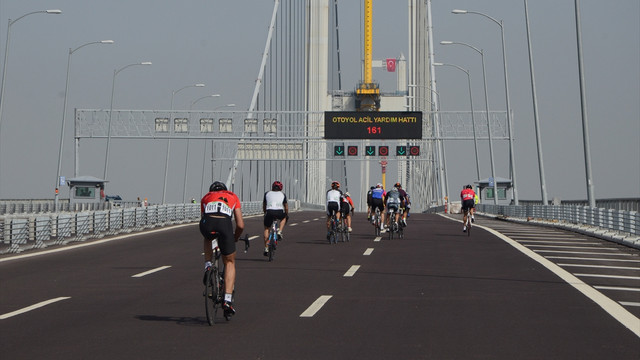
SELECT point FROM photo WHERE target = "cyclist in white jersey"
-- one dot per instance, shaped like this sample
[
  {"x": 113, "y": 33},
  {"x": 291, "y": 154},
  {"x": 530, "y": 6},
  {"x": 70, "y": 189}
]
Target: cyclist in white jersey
[
  {"x": 274, "y": 206},
  {"x": 333, "y": 203}
]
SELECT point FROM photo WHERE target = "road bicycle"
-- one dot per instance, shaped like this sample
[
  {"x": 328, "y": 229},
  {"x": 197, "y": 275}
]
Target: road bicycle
[
  {"x": 394, "y": 228},
  {"x": 214, "y": 282},
  {"x": 272, "y": 240},
  {"x": 343, "y": 229},
  {"x": 333, "y": 230},
  {"x": 375, "y": 220},
  {"x": 468, "y": 222}
]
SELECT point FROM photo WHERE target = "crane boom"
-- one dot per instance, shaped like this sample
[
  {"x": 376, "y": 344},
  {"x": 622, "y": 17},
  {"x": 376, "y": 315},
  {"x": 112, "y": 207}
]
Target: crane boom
[{"x": 368, "y": 92}]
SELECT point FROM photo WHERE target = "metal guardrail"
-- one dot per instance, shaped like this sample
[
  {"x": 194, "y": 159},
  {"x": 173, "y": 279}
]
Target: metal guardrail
[
  {"x": 621, "y": 226},
  {"x": 25, "y": 231}
]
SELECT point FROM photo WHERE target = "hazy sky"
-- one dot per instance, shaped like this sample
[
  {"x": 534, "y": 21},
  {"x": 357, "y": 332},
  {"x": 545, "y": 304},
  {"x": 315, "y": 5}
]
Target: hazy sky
[{"x": 220, "y": 43}]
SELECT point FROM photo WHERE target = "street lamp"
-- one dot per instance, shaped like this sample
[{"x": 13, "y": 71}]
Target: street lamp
[
  {"x": 6, "y": 53},
  {"x": 113, "y": 86},
  {"x": 64, "y": 113},
  {"x": 473, "y": 120},
  {"x": 506, "y": 90},
  {"x": 221, "y": 106},
  {"x": 186, "y": 162},
  {"x": 486, "y": 102},
  {"x": 166, "y": 163}
]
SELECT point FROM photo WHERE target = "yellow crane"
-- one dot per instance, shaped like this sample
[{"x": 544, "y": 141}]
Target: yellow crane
[{"x": 368, "y": 92}]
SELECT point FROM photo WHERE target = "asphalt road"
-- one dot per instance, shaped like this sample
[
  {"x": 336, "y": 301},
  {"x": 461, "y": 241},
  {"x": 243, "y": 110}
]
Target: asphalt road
[{"x": 436, "y": 294}]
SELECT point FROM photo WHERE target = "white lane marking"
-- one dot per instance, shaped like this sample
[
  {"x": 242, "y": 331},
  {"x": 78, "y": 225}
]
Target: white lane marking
[
  {"x": 571, "y": 247},
  {"x": 629, "y": 303},
  {"x": 351, "y": 271},
  {"x": 617, "y": 311},
  {"x": 554, "y": 242},
  {"x": 569, "y": 237},
  {"x": 616, "y": 288},
  {"x": 294, "y": 224},
  {"x": 306, "y": 221},
  {"x": 316, "y": 306},
  {"x": 589, "y": 259},
  {"x": 582, "y": 252},
  {"x": 611, "y": 277},
  {"x": 602, "y": 266},
  {"x": 368, "y": 251},
  {"x": 151, "y": 271},
  {"x": 70, "y": 247},
  {"x": 253, "y": 237},
  {"x": 32, "y": 307},
  {"x": 378, "y": 238}
]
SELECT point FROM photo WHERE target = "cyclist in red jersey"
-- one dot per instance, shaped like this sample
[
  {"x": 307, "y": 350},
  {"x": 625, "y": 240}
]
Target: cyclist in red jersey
[
  {"x": 217, "y": 208},
  {"x": 467, "y": 195}
]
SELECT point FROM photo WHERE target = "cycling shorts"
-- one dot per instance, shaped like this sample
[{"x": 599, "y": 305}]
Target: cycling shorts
[
  {"x": 377, "y": 203},
  {"x": 332, "y": 208},
  {"x": 468, "y": 204},
  {"x": 345, "y": 208},
  {"x": 271, "y": 215},
  {"x": 393, "y": 206},
  {"x": 223, "y": 228}
]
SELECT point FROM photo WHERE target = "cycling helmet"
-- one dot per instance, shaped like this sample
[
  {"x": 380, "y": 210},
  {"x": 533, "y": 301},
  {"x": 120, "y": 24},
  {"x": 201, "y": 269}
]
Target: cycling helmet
[
  {"x": 373, "y": 187},
  {"x": 397, "y": 185},
  {"x": 277, "y": 186},
  {"x": 335, "y": 185},
  {"x": 217, "y": 185},
  {"x": 469, "y": 187},
  {"x": 378, "y": 185},
  {"x": 347, "y": 194}
]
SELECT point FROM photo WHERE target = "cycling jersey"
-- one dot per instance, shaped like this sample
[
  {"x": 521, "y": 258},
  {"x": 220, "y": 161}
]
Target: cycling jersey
[
  {"x": 217, "y": 209},
  {"x": 221, "y": 202},
  {"x": 333, "y": 201},
  {"x": 467, "y": 194},
  {"x": 346, "y": 204},
  {"x": 394, "y": 197},
  {"x": 377, "y": 193},
  {"x": 274, "y": 200}
]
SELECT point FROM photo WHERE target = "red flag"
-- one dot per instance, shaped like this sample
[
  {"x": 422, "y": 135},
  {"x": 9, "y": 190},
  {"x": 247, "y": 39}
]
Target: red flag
[{"x": 391, "y": 65}]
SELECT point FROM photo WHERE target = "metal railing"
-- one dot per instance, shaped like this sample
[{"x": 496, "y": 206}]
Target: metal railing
[
  {"x": 25, "y": 231},
  {"x": 617, "y": 225}
]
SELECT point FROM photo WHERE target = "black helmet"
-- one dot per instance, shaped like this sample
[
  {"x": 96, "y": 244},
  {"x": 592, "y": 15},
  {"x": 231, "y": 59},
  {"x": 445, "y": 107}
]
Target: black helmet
[
  {"x": 397, "y": 185},
  {"x": 469, "y": 187},
  {"x": 217, "y": 185},
  {"x": 335, "y": 185}
]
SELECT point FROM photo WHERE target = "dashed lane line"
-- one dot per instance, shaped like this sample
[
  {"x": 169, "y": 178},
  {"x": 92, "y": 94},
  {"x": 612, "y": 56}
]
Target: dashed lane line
[
  {"x": 316, "y": 306},
  {"x": 151, "y": 271},
  {"x": 32, "y": 307},
  {"x": 352, "y": 270},
  {"x": 377, "y": 239},
  {"x": 368, "y": 252}
]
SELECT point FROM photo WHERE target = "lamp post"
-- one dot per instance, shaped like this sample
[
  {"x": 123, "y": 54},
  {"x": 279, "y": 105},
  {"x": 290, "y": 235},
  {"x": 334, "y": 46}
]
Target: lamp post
[
  {"x": 64, "y": 113},
  {"x": 473, "y": 120},
  {"x": 113, "y": 86},
  {"x": 166, "y": 163},
  {"x": 486, "y": 101},
  {"x": 186, "y": 161},
  {"x": 226, "y": 105},
  {"x": 6, "y": 52},
  {"x": 508, "y": 101}
]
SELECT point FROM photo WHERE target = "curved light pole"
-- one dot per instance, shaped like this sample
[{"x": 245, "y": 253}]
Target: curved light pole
[
  {"x": 506, "y": 90},
  {"x": 113, "y": 86},
  {"x": 64, "y": 112},
  {"x": 186, "y": 161},
  {"x": 6, "y": 51},
  {"x": 166, "y": 162},
  {"x": 226, "y": 105},
  {"x": 486, "y": 102},
  {"x": 473, "y": 120}
]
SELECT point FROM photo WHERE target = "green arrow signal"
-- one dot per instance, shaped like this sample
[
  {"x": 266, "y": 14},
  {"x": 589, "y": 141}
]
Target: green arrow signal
[
  {"x": 371, "y": 150},
  {"x": 338, "y": 150},
  {"x": 401, "y": 150}
]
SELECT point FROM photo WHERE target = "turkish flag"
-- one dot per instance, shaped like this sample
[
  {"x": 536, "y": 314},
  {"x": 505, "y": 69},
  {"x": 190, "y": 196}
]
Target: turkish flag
[{"x": 391, "y": 65}]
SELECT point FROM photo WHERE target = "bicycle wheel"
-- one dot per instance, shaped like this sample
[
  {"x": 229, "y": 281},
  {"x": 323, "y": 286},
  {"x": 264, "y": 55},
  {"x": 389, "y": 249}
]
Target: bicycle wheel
[
  {"x": 210, "y": 296},
  {"x": 468, "y": 225},
  {"x": 272, "y": 247}
]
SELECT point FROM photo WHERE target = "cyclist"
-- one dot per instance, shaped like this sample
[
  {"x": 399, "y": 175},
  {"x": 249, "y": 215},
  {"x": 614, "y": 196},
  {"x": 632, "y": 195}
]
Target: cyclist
[
  {"x": 274, "y": 206},
  {"x": 467, "y": 195},
  {"x": 346, "y": 209},
  {"x": 394, "y": 200},
  {"x": 405, "y": 203},
  {"x": 369, "y": 202},
  {"x": 377, "y": 202},
  {"x": 333, "y": 204},
  {"x": 476, "y": 200},
  {"x": 217, "y": 208}
]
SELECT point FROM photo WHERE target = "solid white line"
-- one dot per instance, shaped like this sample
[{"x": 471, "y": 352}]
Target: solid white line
[
  {"x": 628, "y": 303},
  {"x": 602, "y": 266},
  {"x": 151, "y": 271},
  {"x": 571, "y": 247},
  {"x": 368, "y": 251},
  {"x": 589, "y": 259},
  {"x": 316, "y": 306},
  {"x": 611, "y": 277},
  {"x": 91, "y": 243},
  {"x": 554, "y": 242},
  {"x": 32, "y": 307},
  {"x": 614, "y": 309},
  {"x": 617, "y": 288},
  {"x": 548, "y": 237},
  {"x": 351, "y": 271},
  {"x": 378, "y": 238}
]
